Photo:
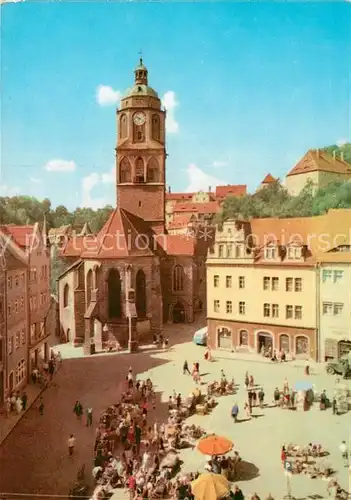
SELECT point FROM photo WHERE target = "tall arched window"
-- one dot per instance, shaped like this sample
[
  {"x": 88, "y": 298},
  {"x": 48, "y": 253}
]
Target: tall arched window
[
  {"x": 65, "y": 295},
  {"x": 139, "y": 170},
  {"x": 123, "y": 127},
  {"x": 153, "y": 171},
  {"x": 89, "y": 285},
  {"x": 140, "y": 289},
  {"x": 178, "y": 278},
  {"x": 156, "y": 127},
  {"x": 114, "y": 294},
  {"x": 125, "y": 171}
]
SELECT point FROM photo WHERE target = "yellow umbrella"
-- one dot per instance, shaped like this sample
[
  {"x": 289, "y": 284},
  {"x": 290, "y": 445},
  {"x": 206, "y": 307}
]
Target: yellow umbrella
[{"x": 209, "y": 486}]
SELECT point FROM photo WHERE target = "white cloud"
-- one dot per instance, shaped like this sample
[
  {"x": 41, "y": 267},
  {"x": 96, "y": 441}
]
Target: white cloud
[
  {"x": 341, "y": 142},
  {"x": 218, "y": 164},
  {"x": 170, "y": 102},
  {"x": 10, "y": 1},
  {"x": 59, "y": 165},
  {"x": 6, "y": 190},
  {"x": 34, "y": 180},
  {"x": 107, "y": 96},
  {"x": 90, "y": 182},
  {"x": 198, "y": 180},
  {"x": 109, "y": 177}
]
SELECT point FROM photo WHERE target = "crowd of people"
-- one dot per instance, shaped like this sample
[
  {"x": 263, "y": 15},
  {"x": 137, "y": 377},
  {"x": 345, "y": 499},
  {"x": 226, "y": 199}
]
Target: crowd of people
[{"x": 42, "y": 374}]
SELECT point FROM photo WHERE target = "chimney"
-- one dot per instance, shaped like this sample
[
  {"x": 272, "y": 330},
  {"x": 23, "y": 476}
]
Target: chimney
[
  {"x": 209, "y": 189},
  {"x": 334, "y": 155},
  {"x": 317, "y": 151},
  {"x": 341, "y": 155},
  {"x": 169, "y": 189}
]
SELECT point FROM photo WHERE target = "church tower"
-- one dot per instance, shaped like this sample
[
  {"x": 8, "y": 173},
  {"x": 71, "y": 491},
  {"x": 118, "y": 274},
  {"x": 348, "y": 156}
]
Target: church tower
[{"x": 141, "y": 153}]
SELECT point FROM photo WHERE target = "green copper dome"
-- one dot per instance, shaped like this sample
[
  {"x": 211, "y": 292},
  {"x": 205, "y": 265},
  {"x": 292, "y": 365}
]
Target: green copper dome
[{"x": 140, "y": 90}]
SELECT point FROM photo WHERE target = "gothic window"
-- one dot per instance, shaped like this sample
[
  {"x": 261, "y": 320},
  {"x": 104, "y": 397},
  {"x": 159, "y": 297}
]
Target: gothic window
[
  {"x": 153, "y": 173},
  {"x": 125, "y": 171},
  {"x": 156, "y": 127},
  {"x": 89, "y": 285},
  {"x": 140, "y": 288},
  {"x": 65, "y": 295},
  {"x": 139, "y": 170},
  {"x": 178, "y": 278},
  {"x": 123, "y": 127},
  {"x": 114, "y": 294}
]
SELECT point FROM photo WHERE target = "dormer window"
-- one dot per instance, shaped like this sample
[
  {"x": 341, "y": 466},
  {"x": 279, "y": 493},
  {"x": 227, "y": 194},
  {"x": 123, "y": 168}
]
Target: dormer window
[
  {"x": 271, "y": 252},
  {"x": 294, "y": 252},
  {"x": 220, "y": 250},
  {"x": 229, "y": 251}
]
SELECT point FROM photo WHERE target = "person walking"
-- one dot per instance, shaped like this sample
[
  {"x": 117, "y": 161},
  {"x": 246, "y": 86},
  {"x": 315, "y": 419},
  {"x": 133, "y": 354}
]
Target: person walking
[
  {"x": 186, "y": 368},
  {"x": 24, "y": 401},
  {"x": 261, "y": 397},
  {"x": 344, "y": 453},
  {"x": 71, "y": 444},
  {"x": 41, "y": 406},
  {"x": 334, "y": 405},
  {"x": 235, "y": 412},
  {"x": 51, "y": 368},
  {"x": 89, "y": 414},
  {"x": 78, "y": 409}
]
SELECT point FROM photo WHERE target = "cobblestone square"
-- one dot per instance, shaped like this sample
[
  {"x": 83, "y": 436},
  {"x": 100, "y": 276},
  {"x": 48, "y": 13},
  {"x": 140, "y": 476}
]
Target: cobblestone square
[{"x": 34, "y": 457}]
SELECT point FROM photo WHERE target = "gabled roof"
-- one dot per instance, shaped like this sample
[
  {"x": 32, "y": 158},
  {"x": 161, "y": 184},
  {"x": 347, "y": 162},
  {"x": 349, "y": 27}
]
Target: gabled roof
[
  {"x": 8, "y": 245},
  {"x": 124, "y": 234},
  {"x": 231, "y": 190},
  {"x": 210, "y": 207},
  {"x": 316, "y": 160},
  {"x": 21, "y": 235},
  {"x": 269, "y": 179}
]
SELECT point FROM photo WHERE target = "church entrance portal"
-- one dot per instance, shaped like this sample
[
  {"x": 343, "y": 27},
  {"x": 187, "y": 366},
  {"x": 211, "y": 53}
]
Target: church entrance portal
[
  {"x": 140, "y": 300},
  {"x": 114, "y": 294},
  {"x": 178, "y": 315}
]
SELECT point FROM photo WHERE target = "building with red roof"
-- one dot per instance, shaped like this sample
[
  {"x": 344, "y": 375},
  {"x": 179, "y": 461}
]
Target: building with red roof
[
  {"x": 126, "y": 281},
  {"x": 28, "y": 298}
]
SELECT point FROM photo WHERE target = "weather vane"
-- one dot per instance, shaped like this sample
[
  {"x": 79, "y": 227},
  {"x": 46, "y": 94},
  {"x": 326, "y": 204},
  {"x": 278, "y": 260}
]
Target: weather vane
[{"x": 141, "y": 55}]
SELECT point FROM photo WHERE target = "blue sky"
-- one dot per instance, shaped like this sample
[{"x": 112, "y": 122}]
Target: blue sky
[{"x": 250, "y": 88}]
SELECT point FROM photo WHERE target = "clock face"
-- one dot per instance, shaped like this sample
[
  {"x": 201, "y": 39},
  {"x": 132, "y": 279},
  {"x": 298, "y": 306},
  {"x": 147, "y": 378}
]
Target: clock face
[{"x": 139, "y": 118}]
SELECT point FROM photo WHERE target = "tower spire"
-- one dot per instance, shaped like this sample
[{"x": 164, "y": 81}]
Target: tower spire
[{"x": 140, "y": 71}]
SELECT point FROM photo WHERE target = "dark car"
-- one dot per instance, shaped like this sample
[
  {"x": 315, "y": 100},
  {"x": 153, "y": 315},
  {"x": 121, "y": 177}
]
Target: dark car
[{"x": 337, "y": 366}]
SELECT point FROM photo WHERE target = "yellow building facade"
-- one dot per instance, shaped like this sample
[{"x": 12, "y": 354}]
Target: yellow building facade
[
  {"x": 335, "y": 303},
  {"x": 281, "y": 284},
  {"x": 319, "y": 169}
]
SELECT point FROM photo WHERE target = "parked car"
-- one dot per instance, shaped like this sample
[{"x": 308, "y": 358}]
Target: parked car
[
  {"x": 200, "y": 336},
  {"x": 336, "y": 366}
]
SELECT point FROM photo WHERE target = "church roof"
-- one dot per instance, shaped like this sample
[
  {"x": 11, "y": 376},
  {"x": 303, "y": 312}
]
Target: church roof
[
  {"x": 123, "y": 235},
  {"x": 126, "y": 235},
  {"x": 315, "y": 160}
]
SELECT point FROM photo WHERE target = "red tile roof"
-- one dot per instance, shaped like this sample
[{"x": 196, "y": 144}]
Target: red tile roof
[
  {"x": 23, "y": 236},
  {"x": 180, "y": 220},
  {"x": 179, "y": 196},
  {"x": 315, "y": 160},
  {"x": 269, "y": 179},
  {"x": 211, "y": 207},
  {"x": 231, "y": 190},
  {"x": 178, "y": 244}
]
